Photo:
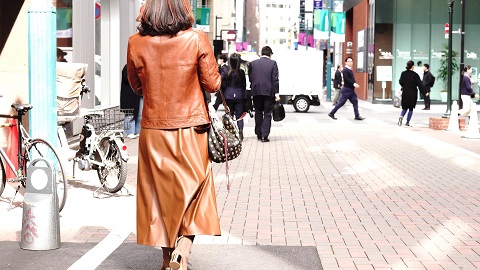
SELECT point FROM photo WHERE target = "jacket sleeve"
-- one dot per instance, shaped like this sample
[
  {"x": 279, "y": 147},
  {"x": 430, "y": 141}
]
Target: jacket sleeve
[
  {"x": 209, "y": 77},
  {"x": 133, "y": 78},
  {"x": 420, "y": 84},
  {"x": 243, "y": 80},
  {"x": 468, "y": 84},
  {"x": 275, "y": 82}
]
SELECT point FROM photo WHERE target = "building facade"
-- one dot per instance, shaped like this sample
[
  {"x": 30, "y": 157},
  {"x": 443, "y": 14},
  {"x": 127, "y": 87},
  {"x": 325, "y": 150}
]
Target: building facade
[{"x": 382, "y": 35}]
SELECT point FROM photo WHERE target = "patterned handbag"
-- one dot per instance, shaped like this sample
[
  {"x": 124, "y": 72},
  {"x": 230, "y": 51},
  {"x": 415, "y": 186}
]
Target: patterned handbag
[{"x": 224, "y": 143}]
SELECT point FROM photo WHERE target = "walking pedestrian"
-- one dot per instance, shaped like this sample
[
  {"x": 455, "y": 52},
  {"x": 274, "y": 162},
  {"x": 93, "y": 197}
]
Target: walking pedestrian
[
  {"x": 337, "y": 85},
  {"x": 235, "y": 89},
  {"x": 427, "y": 82},
  {"x": 130, "y": 100},
  {"x": 263, "y": 75},
  {"x": 348, "y": 91},
  {"x": 222, "y": 68},
  {"x": 410, "y": 82},
  {"x": 169, "y": 63},
  {"x": 466, "y": 92}
]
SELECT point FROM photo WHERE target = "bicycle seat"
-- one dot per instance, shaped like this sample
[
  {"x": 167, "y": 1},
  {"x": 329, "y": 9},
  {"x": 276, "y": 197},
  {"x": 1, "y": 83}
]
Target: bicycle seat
[
  {"x": 22, "y": 107},
  {"x": 91, "y": 112}
]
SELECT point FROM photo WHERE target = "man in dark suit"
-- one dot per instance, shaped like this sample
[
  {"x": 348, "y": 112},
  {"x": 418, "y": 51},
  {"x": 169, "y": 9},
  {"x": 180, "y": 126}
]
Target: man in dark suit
[
  {"x": 337, "y": 85},
  {"x": 348, "y": 91},
  {"x": 263, "y": 74},
  {"x": 427, "y": 83},
  {"x": 223, "y": 70}
]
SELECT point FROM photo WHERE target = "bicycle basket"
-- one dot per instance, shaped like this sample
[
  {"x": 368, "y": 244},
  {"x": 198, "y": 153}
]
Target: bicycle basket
[{"x": 110, "y": 119}]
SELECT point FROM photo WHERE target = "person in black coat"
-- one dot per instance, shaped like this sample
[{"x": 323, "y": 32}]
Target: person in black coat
[
  {"x": 130, "y": 100},
  {"x": 337, "y": 85},
  {"x": 263, "y": 75},
  {"x": 427, "y": 82},
  {"x": 235, "y": 88},
  {"x": 222, "y": 69},
  {"x": 410, "y": 81}
]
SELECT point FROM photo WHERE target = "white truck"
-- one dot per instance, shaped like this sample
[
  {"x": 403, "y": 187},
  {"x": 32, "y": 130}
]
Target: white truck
[{"x": 301, "y": 78}]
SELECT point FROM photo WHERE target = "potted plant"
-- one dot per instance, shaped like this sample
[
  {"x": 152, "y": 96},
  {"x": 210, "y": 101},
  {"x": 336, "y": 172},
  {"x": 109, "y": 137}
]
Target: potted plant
[{"x": 443, "y": 70}]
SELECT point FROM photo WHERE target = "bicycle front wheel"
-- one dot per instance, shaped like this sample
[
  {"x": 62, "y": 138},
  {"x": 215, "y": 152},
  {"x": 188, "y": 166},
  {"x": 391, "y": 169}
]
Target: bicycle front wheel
[
  {"x": 39, "y": 148},
  {"x": 114, "y": 174}
]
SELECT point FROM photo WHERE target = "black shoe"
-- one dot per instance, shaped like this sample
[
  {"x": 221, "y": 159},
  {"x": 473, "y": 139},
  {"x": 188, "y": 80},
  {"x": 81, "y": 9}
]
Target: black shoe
[
  {"x": 332, "y": 116},
  {"x": 400, "y": 119},
  {"x": 359, "y": 118},
  {"x": 265, "y": 139},
  {"x": 240, "y": 132},
  {"x": 407, "y": 124},
  {"x": 259, "y": 137}
]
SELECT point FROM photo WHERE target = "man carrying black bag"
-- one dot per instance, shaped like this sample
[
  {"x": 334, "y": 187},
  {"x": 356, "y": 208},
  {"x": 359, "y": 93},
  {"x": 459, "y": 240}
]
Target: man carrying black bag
[{"x": 263, "y": 75}]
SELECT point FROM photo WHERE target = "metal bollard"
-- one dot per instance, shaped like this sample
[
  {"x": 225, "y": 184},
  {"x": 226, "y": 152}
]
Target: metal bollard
[{"x": 41, "y": 221}]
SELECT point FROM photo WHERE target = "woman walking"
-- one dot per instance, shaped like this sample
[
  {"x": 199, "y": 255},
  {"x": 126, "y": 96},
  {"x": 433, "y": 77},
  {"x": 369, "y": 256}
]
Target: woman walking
[
  {"x": 466, "y": 92},
  {"x": 410, "y": 81},
  {"x": 235, "y": 90},
  {"x": 169, "y": 64}
]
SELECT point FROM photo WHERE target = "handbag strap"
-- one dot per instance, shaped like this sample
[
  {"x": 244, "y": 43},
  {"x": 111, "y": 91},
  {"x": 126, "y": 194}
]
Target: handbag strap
[{"x": 224, "y": 102}]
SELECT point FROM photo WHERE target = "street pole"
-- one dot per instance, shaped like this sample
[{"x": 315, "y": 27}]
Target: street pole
[
  {"x": 462, "y": 49},
  {"x": 306, "y": 35},
  {"x": 216, "y": 26},
  {"x": 449, "y": 68},
  {"x": 42, "y": 44},
  {"x": 329, "y": 60}
]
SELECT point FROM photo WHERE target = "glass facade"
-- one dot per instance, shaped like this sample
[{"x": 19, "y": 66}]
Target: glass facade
[{"x": 415, "y": 30}]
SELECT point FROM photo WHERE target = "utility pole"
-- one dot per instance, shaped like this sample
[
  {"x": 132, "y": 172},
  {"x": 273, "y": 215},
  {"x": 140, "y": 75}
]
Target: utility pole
[
  {"x": 449, "y": 67},
  {"x": 216, "y": 26},
  {"x": 462, "y": 50},
  {"x": 329, "y": 59}
]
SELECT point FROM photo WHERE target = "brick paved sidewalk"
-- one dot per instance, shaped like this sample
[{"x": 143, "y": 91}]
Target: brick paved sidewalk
[{"x": 367, "y": 195}]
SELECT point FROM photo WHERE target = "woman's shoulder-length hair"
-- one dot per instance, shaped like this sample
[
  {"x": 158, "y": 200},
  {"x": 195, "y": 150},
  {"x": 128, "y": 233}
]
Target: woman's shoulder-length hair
[{"x": 165, "y": 17}]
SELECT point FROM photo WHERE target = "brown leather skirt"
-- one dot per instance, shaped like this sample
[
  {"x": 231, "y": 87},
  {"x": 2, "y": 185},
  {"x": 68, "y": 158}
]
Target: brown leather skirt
[{"x": 175, "y": 188}]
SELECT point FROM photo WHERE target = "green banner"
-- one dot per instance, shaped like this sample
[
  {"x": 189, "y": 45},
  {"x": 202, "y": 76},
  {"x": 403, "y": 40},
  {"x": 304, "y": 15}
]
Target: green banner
[
  {"x": 321, "y": 25},
  {"x": 338, "y": 20},
  {"x": 203, "y": 19}
]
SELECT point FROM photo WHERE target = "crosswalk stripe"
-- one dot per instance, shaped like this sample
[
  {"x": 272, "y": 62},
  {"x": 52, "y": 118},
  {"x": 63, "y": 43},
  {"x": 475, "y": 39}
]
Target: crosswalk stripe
[{"x": 94, "y": 257}]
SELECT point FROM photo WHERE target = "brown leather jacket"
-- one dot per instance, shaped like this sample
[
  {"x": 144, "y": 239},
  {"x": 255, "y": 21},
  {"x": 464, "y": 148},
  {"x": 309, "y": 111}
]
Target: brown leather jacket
[{"x": 170, "y": 73}]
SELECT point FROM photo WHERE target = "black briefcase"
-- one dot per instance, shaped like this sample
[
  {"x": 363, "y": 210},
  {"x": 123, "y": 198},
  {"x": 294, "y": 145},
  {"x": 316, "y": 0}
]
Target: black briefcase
[{"x": 278, "y": 112}]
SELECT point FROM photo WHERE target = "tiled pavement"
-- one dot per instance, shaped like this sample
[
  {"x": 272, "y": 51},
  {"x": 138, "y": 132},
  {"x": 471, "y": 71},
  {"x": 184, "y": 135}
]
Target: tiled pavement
[{"x": 367, "y": 195}]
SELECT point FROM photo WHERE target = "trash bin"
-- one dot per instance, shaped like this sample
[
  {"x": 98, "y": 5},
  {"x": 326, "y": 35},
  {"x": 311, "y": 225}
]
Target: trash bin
[{"x": 41, "y": 221}]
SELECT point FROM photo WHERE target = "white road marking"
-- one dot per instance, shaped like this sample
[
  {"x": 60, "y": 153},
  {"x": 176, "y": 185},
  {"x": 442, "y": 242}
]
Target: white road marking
[{"x": 94, "y": 257}]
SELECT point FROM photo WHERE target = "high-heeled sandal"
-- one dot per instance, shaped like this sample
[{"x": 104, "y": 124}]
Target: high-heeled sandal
[
  {"x": 181, "y": 253},
  {"x": 167, "y": 254}
]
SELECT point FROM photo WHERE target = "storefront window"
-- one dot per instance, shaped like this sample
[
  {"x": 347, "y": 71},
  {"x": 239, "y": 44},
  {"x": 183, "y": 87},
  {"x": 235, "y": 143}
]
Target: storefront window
[{"x": 414, "y": 30}]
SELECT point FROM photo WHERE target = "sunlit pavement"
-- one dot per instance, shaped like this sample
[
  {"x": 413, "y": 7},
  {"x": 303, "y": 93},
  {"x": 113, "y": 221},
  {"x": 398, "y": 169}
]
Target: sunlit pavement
[{"x": 365, "y": 194}]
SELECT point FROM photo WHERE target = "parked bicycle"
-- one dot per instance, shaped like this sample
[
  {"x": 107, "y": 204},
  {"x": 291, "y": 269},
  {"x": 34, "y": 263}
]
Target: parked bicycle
[
  {"x": 102, "y": 145},
  {"x": 30, "y": 149}
]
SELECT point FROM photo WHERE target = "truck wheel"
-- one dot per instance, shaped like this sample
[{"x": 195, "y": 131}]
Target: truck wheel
[{"x": 301, "y": 104}]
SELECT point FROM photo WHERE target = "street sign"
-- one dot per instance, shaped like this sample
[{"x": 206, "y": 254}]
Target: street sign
[
  {"x": 229, "y": 35},
  {"x": 98, "y": 11}
]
